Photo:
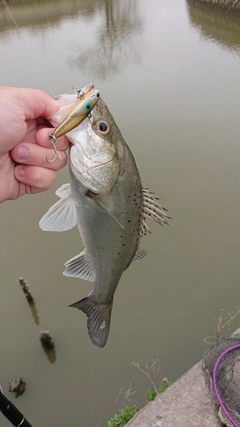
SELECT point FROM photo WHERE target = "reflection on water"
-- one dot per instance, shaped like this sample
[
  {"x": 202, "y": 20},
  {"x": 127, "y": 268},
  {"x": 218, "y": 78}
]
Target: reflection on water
[
  {"x": 219, "y": 27},
  {"x": 51, "y": 355},
  {"x": 115, "y": 43},
  {"x": 43, "y": 13},
  {"x": 34, "y": 312}
]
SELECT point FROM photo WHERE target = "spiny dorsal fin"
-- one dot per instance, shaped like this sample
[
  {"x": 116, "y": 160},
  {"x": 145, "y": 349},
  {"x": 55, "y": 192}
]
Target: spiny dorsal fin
[
  {"x": 62, "y": 215},
  {"x": 78, "y": 267},
  {"x": 152, "y": 210}
]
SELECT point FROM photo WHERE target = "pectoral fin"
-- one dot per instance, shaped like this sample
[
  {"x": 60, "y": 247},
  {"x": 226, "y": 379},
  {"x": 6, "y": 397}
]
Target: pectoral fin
[
  {"x": 79, "y": 267},
  {"x": 62, "y": 215}
]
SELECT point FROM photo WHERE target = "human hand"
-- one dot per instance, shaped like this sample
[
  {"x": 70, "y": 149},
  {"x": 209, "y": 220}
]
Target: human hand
[{"x": 24, "y": 143}]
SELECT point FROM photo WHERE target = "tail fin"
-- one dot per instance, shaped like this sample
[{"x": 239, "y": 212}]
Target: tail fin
[{"x": 99, "y": 317}]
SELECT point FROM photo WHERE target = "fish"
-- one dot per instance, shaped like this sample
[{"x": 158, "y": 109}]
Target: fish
[{"x": 107, "y": 201}]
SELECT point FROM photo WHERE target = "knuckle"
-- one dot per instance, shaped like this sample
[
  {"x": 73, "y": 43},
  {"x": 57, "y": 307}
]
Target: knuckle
[{"x": 43, "y": 178}]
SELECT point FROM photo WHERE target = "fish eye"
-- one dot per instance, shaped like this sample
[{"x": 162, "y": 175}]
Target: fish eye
[{"x": 102, "y": 127}]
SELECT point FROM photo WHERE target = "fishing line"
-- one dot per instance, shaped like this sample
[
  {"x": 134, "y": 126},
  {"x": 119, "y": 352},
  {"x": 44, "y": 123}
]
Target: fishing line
[
  {"x": 28, "y": 48},
  {"x": 215, "y": 383}
]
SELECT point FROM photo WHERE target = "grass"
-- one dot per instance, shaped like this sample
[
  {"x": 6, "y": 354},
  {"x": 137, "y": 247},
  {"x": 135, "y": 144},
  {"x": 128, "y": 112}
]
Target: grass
[{"x": 126, "y": 413}]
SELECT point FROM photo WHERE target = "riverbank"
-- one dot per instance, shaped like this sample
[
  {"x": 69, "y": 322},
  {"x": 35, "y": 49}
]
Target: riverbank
[
  {"x": 229, "y": 6},
  {"x": 191, "y": 400}
]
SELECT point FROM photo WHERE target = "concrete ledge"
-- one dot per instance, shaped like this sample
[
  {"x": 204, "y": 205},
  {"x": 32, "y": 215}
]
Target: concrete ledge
[{"x": 186, "y": 403}]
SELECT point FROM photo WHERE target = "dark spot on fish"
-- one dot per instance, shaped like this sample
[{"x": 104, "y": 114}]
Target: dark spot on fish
[
  {"x": 123, "y": 244},
  {"x": 129, "y": 220},
  {"x": 118, "y": 253}
]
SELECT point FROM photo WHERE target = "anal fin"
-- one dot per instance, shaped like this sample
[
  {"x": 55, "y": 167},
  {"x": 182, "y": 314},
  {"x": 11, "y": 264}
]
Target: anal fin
[{"x": 79, "y": 267}]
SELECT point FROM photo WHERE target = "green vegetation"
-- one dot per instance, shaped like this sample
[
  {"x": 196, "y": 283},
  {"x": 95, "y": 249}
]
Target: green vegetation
[
  {"x": 124, "y": 416},
  {"x": 151, "y": 394},
  {"x": 128, "y": 412}
]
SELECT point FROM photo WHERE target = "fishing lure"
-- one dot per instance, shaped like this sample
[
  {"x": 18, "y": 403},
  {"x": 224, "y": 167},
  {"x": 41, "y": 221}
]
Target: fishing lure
[{"x": 79, "y": 112}]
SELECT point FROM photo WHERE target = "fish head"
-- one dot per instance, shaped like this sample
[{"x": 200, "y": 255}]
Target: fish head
[{"x": 94, "y": 156}]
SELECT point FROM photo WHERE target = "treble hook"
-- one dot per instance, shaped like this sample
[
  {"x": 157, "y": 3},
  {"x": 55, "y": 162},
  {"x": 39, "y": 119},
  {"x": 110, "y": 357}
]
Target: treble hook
[{"x": 52, "y": 139}]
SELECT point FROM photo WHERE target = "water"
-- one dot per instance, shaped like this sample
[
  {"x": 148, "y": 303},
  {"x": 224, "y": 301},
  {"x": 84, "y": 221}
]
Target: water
[{"x": 169, "y": 73}]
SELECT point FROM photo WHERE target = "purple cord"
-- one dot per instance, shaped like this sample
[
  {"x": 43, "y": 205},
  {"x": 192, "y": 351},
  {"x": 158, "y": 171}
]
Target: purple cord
[{"x": 215, "y": 382}]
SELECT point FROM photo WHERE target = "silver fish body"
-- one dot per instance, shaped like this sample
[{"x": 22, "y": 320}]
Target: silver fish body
[{"x": 107, "y": 201}]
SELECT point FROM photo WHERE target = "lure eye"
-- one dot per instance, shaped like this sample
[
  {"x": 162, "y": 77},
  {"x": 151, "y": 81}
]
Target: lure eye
[{"x": 102, "y": 127}]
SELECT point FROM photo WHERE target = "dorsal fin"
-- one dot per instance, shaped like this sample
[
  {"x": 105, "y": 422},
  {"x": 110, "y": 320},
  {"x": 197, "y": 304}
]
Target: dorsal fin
[
  {"x": 152, "y": 210},
  {"x": 140, "y": 254}
]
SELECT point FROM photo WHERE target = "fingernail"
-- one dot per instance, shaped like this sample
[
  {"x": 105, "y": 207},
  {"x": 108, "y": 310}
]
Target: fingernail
[
  {"x": 19, "y": 172},
  {"x": 22, "y": 153}
]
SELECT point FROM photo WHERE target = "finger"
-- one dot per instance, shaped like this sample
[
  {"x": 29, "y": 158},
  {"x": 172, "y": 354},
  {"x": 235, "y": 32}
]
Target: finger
[
  {"x": 35, "y": 103},
  {"x": 39, "y": 178},
  {"x": 43, "y": 139},
  {"x": 34, "y": 155}
]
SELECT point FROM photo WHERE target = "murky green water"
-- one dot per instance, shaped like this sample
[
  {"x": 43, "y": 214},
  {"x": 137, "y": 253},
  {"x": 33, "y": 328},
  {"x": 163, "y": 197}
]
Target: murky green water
[{"x": 169, "y": 73}]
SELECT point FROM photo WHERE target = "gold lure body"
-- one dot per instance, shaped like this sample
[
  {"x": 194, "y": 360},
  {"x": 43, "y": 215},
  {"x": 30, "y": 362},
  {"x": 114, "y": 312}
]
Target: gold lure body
[
  {"x": 87, "y": 98},
  {"x": 77, "y": 114}
]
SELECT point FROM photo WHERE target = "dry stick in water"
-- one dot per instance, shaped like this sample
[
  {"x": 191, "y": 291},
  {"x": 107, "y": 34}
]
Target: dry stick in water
[
  {"x": 26, "y": 290},
  {"x": 46, "y": 340}
]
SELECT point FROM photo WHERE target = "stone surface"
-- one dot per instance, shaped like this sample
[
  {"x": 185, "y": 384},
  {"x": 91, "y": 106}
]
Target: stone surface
[{"x": 186, "y": 403}]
